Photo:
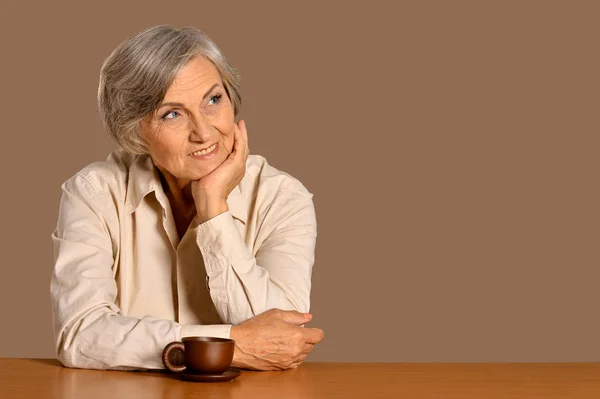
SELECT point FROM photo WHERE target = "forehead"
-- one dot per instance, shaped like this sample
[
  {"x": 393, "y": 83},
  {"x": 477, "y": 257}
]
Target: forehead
[{"x": 198, "y": 74}]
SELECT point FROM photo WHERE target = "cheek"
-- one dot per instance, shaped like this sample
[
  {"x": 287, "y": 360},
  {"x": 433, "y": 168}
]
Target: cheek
[
  {"x": 231, "y": 137},
  {"x": 163, "y": 150},
  {"x": 228, "y": 141},
  {"x": 227, "y": 129}
]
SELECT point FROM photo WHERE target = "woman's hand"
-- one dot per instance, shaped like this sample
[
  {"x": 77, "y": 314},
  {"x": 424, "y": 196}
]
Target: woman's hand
[
  {"x": 211, "y": 191},
  {"x": 274, "y": 340}
]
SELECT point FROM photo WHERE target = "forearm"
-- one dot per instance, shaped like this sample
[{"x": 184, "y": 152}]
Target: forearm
[
  {"x": 243, "y": 289},
  {"x": 239, "y": 287},
  {"x": 103, "y": 339}
]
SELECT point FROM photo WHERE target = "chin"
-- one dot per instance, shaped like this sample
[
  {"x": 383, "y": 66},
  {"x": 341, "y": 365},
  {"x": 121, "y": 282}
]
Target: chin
[{"x": 201, "y": 172}]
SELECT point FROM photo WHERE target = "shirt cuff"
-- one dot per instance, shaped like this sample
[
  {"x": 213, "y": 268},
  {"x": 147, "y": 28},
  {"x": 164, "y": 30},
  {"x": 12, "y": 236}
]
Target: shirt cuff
[
  {"x": 213, "y": 330},
  {"x": 220, "y": 242}
]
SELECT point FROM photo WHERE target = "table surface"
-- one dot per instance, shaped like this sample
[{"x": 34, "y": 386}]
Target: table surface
[{"x": 45, "y": 378}]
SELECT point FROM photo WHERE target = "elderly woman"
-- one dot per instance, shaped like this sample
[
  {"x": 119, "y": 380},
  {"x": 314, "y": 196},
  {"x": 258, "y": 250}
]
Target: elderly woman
[{"x": 180, "y": 232}]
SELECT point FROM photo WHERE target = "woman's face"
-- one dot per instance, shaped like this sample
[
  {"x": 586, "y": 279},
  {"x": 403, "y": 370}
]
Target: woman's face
[{"x": 195, "y": 115}]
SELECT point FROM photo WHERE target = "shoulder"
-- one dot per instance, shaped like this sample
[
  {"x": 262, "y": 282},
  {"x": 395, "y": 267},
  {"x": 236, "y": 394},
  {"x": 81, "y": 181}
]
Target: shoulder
[
  {"x": 263, "y": 179},
  {"x": 278, "y": 202},
  {"x": 92, "y": 200},
  {"x": 275, "y": 196},
  {"x": 102, "y": 177}
]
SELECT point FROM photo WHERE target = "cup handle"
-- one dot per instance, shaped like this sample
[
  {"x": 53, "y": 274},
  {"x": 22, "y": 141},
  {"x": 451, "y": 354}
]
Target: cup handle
[{"x": 173, "y": 346}]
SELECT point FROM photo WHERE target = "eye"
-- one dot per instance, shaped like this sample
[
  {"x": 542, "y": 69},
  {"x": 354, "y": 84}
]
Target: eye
[
  {"x": 215, "y": 99},
  {"x": 166, "y": 116}
]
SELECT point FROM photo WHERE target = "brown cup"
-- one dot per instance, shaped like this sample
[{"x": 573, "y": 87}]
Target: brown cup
[{"x": 201, "y": 355}]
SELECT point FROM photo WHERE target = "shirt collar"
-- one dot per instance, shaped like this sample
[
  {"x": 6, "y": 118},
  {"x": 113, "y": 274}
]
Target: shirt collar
[{"x": 144, "y": 179}]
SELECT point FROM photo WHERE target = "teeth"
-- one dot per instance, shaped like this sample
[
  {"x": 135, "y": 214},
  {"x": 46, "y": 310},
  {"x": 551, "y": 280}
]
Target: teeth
[{"x": 204, "y": 152}]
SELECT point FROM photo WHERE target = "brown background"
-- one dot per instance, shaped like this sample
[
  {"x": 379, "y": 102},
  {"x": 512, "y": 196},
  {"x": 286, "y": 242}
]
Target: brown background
[{"x": 452, "y": 148}]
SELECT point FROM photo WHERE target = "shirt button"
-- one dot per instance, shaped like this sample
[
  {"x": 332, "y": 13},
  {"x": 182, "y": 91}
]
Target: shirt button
[{"x": 206, "y": 248}]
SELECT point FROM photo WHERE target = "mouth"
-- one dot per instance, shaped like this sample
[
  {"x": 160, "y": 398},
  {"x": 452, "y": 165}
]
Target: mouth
[{"x": 205, "y": 152}]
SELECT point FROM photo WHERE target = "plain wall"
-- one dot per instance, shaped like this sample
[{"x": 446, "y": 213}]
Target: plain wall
[{"x": 452, "y": 148}]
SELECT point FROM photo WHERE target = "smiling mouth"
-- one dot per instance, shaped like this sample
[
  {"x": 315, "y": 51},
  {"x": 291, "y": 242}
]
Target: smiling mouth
[{"x": 205, "y": 151}]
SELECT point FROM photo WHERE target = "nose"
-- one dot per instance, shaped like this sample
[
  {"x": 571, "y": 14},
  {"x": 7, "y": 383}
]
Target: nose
[{"x": 199, "y": 128}]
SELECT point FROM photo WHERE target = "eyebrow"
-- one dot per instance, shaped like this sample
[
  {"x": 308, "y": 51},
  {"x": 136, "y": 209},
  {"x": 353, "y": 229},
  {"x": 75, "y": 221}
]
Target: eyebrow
[{"x": 182, "y": 105}]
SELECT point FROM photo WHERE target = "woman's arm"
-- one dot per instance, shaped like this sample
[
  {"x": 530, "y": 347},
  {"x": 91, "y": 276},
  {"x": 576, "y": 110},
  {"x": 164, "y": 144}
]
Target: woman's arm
[
  {"x": 243, "y": 285},
  {"x": 89, "y": 330}
]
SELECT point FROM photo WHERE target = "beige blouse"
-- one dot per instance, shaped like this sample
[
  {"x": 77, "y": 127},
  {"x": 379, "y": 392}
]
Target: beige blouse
[{"x": 124, "y": 285}]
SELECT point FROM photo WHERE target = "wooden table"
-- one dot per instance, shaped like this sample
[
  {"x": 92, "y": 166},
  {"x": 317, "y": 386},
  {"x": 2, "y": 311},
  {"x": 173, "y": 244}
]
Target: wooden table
[{"x": 36, "y": 378}]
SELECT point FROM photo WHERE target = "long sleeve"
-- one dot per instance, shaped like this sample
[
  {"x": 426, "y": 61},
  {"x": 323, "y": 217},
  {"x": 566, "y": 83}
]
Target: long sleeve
[
  {"x": 243, "y": 285},
  {"x": 90, "y": 331}
]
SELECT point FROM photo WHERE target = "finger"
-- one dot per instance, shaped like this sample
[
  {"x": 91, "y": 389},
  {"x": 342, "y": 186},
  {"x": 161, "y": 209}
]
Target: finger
[
  {"x": 241, "y": 148},
  {"x": 314, "y": 335},
  {"x": 236, "y": 142},
  {"x": 242, "y": 126},
  {"x": 298, "y": 361},
  {"x": 244, "y": 134},
  {"x": 296, "y": 318},
  {"x": 306, "y": 349}
]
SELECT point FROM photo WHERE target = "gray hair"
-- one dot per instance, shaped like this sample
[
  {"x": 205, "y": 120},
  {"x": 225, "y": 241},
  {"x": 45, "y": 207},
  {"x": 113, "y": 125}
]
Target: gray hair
[{"x": 135, "y": 77}]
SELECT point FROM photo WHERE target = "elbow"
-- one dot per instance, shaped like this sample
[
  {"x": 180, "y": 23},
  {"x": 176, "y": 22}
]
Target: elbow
[
  {"x": 65, "y": 341},
  {"x": 67, "y": 359},
  {"x": 68, "y": 354},
  {"x": 64, "y": 344},
  {"x": 71, "y": 349}
]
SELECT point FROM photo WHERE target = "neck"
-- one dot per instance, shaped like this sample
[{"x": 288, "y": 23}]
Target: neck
[{"x": 178, "y": 192}]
